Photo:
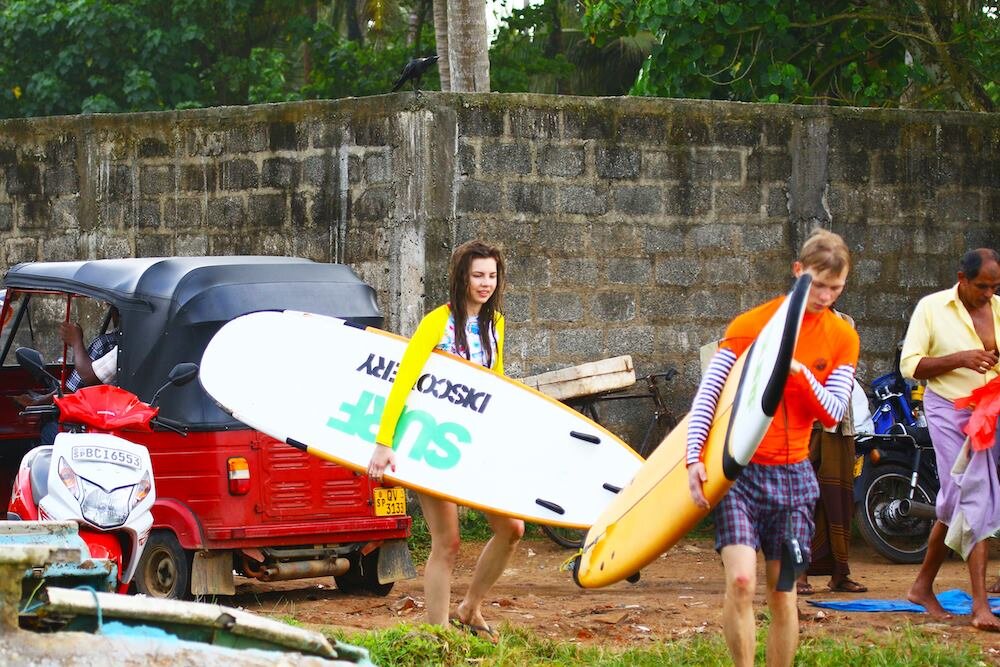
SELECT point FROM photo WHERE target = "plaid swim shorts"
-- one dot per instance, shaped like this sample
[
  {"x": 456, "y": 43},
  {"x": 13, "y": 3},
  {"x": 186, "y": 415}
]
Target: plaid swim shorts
[{"x": 766, "y": 505}]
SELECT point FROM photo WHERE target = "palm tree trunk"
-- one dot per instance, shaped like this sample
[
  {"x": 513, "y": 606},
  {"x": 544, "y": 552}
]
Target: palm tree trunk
[
  {"x": 353, "y": 28},
  {"x": 417, "y": 19},
  {"x": 441, "y": 36},
  {"x": 312, "y": 13},
  {"x": 468, "y": 46}
]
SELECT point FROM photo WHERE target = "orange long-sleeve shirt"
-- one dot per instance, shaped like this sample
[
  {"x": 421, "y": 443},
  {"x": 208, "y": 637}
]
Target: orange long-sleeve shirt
[{"x": 826, "y": 343}]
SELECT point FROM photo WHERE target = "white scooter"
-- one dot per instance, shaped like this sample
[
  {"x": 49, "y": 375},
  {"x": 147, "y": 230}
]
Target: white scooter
[{"x": 91, "y": 475}]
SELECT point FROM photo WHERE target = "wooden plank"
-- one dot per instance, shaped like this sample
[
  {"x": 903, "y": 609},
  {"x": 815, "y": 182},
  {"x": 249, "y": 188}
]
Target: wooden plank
[{"x": 593, "y": 377}]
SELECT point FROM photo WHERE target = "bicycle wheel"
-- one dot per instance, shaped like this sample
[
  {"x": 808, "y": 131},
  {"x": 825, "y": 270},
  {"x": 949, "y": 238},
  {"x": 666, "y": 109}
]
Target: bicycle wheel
[
  {"x": 568, "y": 538},
  {"x": 658, "y": 429}
]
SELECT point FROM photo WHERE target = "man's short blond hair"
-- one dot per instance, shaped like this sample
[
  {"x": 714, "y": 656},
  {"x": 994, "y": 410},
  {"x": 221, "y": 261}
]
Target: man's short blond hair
[{"x": 825, "y": 251}]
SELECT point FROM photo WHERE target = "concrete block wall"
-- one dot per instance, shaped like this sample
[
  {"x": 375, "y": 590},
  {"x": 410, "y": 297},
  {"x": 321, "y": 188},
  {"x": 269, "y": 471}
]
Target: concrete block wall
[
  {"x": 632, "y": 226},
  {"x": 642, "y": 226}
]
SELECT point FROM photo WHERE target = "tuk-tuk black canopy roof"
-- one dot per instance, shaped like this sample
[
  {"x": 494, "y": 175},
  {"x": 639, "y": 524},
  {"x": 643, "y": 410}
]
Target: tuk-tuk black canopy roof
[{"x": 171, "y": 307}]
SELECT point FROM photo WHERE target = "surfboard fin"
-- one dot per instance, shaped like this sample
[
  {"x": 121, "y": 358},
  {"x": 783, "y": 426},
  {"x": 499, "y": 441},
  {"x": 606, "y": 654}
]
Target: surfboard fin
[{"x": 611, "y": 487}]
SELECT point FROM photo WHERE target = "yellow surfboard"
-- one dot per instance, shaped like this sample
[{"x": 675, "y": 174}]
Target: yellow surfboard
[{"x": 655, "y": 510}]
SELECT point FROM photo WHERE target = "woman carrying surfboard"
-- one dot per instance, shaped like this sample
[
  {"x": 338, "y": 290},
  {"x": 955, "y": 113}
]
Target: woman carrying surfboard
[
  {"x": 472, "y": 327},
  {"x": 770, "y": 506}
]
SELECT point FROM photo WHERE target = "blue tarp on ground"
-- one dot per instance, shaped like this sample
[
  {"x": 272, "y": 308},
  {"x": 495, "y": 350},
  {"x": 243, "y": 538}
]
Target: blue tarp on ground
[{"x": 955, "y": 601}]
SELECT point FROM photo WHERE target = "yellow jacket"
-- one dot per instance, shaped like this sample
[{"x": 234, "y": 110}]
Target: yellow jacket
[{"x": 427, "y": 336}]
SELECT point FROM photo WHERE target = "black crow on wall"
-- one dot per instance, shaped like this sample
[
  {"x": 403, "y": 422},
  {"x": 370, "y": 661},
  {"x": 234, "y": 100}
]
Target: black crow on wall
[{"x": 413, "y": 70}]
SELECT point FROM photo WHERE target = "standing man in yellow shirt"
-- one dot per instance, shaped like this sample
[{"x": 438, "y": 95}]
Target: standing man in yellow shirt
[{"x": 952, "y": 343}]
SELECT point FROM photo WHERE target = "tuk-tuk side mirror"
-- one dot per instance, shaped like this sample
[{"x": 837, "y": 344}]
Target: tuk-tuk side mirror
[
  {"x": 31, "y": 360},
  {"x": 178, "y": 376},
  {"x": 183, "y": 373}
]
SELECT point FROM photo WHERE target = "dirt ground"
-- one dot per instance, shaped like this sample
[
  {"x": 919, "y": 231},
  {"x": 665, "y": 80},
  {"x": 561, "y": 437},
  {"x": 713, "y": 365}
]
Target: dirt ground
[{"x": 678, "y": 595}]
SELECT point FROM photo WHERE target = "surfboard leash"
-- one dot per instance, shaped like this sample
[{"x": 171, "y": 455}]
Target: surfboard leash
[{"x": 567, "y": 565}]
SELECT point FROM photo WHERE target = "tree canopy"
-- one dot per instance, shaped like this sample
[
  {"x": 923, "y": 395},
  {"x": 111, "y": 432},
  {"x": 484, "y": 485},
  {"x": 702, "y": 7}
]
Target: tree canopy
[
  {"x": 81, "y": 56},
  {"x": 914, "y": 53},
  {"x": 90, "y": 56}
]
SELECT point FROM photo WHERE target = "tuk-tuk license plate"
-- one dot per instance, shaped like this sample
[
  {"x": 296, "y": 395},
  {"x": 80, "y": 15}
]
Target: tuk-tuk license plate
[{"x": 389, "y": 501}]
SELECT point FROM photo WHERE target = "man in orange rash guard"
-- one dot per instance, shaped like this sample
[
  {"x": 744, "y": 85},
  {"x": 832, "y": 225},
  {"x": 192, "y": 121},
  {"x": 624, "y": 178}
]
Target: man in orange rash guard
[{"x": 773, "y": 499}]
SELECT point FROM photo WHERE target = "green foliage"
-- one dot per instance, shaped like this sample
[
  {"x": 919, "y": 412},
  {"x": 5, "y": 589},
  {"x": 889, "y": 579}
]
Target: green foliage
[
  {"x": 101, "y": 56},
  {"x": 73, "y": 56},
  {"x": 344, "y": 68},
  {"x": 520, "y": 60},
  {"x": 855, "y": 52},
  {"x": 542, "y": 48}
]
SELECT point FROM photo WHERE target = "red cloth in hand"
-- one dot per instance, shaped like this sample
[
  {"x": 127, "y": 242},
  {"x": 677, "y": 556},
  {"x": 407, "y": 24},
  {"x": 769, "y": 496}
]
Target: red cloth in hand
[{"x": 982, "y": 426}]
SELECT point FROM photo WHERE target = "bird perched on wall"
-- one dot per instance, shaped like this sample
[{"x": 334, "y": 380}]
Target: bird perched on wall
[{"x": 413, "y": 70}]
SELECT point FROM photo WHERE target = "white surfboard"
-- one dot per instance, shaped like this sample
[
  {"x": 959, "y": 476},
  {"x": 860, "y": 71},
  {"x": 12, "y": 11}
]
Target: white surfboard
[{"x": 466, "y": 434}]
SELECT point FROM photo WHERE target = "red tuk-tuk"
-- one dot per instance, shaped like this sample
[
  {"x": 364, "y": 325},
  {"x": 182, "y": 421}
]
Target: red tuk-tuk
[{"x": 227, "y": 497}]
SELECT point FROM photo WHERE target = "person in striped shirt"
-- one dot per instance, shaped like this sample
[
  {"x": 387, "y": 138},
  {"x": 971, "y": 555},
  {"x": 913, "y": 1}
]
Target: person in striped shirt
[{"x": 774, "y": 497}]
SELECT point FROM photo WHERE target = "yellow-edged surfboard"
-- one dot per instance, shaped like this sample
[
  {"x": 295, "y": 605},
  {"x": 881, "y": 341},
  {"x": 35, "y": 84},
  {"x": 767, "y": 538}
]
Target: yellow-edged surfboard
[{"x": 655, "y": 509}]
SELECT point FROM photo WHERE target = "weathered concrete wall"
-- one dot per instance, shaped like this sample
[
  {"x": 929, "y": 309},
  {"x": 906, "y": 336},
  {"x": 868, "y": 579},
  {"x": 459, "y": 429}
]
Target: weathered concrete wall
[{"x": 631, "y": 225}]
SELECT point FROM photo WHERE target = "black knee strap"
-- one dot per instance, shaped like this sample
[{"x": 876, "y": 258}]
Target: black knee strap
[{"x": 793, "y": 565}]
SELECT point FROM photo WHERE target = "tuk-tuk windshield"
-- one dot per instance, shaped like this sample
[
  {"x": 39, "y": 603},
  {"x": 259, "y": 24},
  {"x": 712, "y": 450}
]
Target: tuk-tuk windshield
[{"x": 38, "y": 327}]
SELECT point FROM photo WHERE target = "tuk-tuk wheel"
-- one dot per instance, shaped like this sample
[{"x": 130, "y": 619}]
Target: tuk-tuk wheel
[
  {"x": 165, "y": 568},
  {"x": 362, "y": 576}
]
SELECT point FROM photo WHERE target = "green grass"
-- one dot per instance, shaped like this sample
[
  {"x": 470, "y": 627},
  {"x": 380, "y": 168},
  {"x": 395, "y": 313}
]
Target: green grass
[
  {"x": 406, "y": 645},
  {"x": 288, "y": 619}
]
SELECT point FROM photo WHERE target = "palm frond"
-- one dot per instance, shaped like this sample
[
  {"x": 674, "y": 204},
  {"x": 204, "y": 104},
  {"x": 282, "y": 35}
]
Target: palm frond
[{"x": 613, "y": 67}]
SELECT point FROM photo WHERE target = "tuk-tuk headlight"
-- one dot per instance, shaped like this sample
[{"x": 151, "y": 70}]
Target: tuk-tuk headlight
[{"x": 70, "y": 478}]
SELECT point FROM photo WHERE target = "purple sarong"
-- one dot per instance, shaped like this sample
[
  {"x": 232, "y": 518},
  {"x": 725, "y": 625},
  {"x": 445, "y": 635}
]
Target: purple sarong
[{"x": 969, "y": 499}]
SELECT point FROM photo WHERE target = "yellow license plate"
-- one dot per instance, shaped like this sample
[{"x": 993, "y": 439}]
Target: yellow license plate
[
  {"x": 389, "y": 501},
  {"x": 859, "y": 463}
]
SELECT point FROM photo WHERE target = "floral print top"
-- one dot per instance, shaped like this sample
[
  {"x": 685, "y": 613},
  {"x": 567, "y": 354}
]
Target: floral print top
[{"x": 476, "y": 352}]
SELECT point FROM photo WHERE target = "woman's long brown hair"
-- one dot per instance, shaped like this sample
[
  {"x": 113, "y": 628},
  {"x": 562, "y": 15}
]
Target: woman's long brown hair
[{"x": 458, "y": 291}]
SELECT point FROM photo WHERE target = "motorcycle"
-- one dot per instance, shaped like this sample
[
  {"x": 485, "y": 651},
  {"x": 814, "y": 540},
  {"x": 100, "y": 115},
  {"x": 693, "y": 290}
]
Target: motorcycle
[
  {"x": 896, "y": 476},
  {"x": 91, "y": 474}
]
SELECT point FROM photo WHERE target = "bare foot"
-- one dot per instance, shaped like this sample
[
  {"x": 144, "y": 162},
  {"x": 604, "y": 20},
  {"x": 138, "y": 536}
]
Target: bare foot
[
  {"x": 995, "y": 588},
  {"x": 470, "y": 616},
  {"x": 927, "y": 600},
  {"x": 983, "y": 619},
  {"x": 474, "y": 623}
]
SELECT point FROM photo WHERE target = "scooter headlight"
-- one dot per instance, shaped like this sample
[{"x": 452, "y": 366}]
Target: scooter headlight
[
  {"x": 141, "y": 490},
  {"x": 105, "y": 509},
  {"x": 70, "y": 479}
]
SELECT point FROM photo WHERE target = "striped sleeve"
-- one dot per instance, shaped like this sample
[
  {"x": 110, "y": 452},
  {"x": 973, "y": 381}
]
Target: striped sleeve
[
  {"x": 705, "y": 400},
  {"x": 832, "y": 399}
]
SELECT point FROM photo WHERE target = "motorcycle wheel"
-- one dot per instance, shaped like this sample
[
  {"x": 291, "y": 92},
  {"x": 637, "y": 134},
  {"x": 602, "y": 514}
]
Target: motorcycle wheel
[
  {"x": 568, "y": 538},
  {"x": 899, "y": 539},
  {"x": 164, "y": 569},
  {"x": 362, "y": 576}
]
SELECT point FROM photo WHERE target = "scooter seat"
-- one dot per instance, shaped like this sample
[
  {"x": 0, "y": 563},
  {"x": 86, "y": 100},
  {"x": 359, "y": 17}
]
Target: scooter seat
[{"x": 39, "y": 475}]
